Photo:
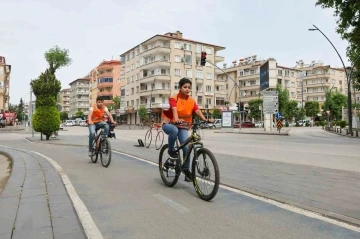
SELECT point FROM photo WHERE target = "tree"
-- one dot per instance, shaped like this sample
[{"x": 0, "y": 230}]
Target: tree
[
  {"x": 254, "y": 108},
  {"x": 12, "y": 108},
  {"x": 283, "y": 98},
  {"x": 336, "y": 101},
  {"x": 64, "y": 116},
  {"x": 117, "y": 102},
  {"x": 311, "y": 108},
  {"x": 46, "y": 118},
  {"x": 300, "y": 114},
  {"x": 291, "y": 110},
  {"x": 347, "y": 12},
  {"x": 142, "y": 111},
  {"x": 216, "y": 114},
  {"x": 79, "y": 114},
  {"x": 20, "y": 110},
  {"x": 57, "y": 58}
]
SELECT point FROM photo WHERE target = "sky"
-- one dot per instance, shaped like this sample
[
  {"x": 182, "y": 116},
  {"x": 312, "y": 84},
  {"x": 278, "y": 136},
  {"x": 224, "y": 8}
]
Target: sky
[{"x": 94, "y": 30}]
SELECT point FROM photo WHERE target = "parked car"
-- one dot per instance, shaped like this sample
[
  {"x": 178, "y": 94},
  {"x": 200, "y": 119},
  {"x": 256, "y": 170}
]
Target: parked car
[
  {"x": 216, "y": 124},
  {"x": 245, "y": 124}
]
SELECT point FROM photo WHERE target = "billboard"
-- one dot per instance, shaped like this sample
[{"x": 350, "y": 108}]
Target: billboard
[{"x": 264, "y": 76}]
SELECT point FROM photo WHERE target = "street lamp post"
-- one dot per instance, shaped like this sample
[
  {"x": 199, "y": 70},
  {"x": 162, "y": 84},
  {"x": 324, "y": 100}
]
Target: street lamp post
[{"x": 347, "y": 78}]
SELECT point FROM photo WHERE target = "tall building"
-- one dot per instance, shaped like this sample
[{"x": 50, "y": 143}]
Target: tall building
[
  {"x": 5, "y": 71},
  {"x": 79, "y": 96},
  {"x": 154, "y": 67},
  {"x": 105, "y": 81},
  {"x": 246, "y": 72},
  {"x": 64, "y": 99},
  {"x": 316, "y": 78}
]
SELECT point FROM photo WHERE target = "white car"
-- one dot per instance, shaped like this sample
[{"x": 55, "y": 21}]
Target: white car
[{"x": 69, "y": 123}]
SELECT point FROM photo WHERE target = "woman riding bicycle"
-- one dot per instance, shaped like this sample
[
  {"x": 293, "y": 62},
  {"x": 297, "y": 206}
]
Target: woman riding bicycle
[
  {"x": 96, "y": 119},
  {"x": 182, "y": 107}
]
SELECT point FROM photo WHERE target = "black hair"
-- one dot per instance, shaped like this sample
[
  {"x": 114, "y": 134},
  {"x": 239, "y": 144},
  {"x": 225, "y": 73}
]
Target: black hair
[
  {"x": 183, "y": 81},
  {"x": 99, "y": 98}
]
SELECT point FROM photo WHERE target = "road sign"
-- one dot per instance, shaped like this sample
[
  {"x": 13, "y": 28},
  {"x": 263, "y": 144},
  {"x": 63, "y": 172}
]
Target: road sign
[
  {"x": 279, "y": 124},
  {"x": 270, "y": 102},
  {"x": 279, "y": 115}
]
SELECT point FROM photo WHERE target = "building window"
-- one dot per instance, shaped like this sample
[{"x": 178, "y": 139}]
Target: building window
[
  {"x": 188, "y": 59},
  {"x": 208, "y": 101},
  {"x": 279, "y": 72},
  {"x": 177, "y": 58},
  {"x": 199, "y": 100},
  {"x": 220, "y": 101},
  {"x": 177, "y": 72},
  {"x": 208, "y": 51},
  {"x": 187, "y": 46},
  {"x": 209, "y": 76},
  {"x": 177, "y": 45},
  {"x": 188, "y": 73},
  {"x": 208, "y": 88},
  {"x": 176, "y": 85},
  {"x": 199, "y": 74}
]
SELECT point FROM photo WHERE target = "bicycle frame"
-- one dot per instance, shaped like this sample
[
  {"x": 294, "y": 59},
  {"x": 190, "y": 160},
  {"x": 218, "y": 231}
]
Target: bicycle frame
[{"x": 194, "y": 140}]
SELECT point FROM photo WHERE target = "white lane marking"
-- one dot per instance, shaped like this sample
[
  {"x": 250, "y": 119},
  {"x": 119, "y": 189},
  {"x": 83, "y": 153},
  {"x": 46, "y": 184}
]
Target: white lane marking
[
  {"x": 270, "y": 201},
  {"x": 87, "y": 222},
  {"x": 171, "y": 203}
]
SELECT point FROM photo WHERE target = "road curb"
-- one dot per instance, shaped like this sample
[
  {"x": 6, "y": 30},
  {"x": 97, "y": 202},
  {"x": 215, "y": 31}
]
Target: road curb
[
  {"x": 349, "y": 136},
  {"x": 254, "y": 133},
  {"x": 325, "y": 213}
]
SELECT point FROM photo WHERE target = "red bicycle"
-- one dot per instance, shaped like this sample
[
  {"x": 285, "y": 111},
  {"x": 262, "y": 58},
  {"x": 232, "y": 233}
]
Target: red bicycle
[{"x": 159, "y": 136}]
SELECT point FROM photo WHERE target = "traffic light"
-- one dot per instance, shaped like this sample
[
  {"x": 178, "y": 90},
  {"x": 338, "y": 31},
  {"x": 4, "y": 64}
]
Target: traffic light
[
  {"x": 203, "y": 58},
  {"x": 240, "y": 106}
]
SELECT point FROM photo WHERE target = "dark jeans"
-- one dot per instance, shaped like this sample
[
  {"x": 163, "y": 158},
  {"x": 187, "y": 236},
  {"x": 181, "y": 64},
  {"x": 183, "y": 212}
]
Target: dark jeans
[{"x": 92, "y": 131}]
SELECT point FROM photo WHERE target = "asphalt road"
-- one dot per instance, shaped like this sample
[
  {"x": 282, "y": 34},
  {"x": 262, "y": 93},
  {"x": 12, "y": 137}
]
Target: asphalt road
[{"x": 129, "y": 200}]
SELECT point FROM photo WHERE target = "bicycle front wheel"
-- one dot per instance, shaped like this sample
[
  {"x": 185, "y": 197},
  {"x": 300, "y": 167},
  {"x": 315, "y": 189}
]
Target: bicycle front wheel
[
  {"x": 169, "y": 168},
  {"x": 206, "y": 178},
  {"x": 159, "y": 140},
  {"x": 148, "y": 138},
  {"x": 105, "y": 152}
]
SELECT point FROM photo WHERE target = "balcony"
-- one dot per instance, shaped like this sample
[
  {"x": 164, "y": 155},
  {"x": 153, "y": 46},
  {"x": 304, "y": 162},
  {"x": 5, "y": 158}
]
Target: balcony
[
  {"x": 250, "y": 87},
  {"x": 156, "y": 50},
  {"x": 150, "y": 79},
  {"x": 310, "y": 85},
  {"x": 219, "y": 59},
  {"x": 82, "y": 93},
  {"x": 105, "y": 66},
  {"x": 105, "y": 93},
  {"x": 249, "y": 76},
  {"x": 199, "y": 79},
  {"x": 104, "y": 84},
  {"x": 105, "y": 75},
  {"x": 158, "y": 63},
  {"x": 155, "y": 92}
]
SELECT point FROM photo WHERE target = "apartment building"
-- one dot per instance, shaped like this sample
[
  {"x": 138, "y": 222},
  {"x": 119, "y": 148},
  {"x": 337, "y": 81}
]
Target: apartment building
[
  {"x": 105, "y": 81},
  {"x": 246, "y": 72},
  {"x": 79, "y": 96},
  {"x": 5, "y": 71},
  {"x": 64, "y": 99},
  {"x": 316, "y": 78},
  {"x": 154, "y": 67}
]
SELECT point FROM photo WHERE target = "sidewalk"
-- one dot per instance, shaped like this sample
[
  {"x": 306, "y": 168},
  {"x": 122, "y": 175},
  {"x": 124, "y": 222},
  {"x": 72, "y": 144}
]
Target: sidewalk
[
  {"x": 332, "y": 193},
  {"x": 34, "y": 202},
  {"x": 259, "y": 131}
]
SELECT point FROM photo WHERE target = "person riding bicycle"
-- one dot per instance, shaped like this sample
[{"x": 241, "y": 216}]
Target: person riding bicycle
[
  {"x": 96, "y": 119},
  {"x": 182, "y": 107}
]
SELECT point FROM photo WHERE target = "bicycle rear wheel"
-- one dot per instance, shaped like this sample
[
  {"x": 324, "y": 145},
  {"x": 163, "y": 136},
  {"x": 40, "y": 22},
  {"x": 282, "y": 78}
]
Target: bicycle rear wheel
[
  {"x": 105, "y": 152},
  {"x": 148, "y": 138},
  {"x": 201, "y": 172},
  {"x": 168, "y": 167},
  {"x": 159, "y": 140}
]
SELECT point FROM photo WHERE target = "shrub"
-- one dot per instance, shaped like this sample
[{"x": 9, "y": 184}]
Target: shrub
[
  {"x": 297, "y": 124},
  {"x": 46, "y": 120},
  {"x": 317, "y": 123},
  {"x": 322, "y": 123},
  {"x": 307, "y": 124},
  {"x": 342, "y": 124},
  {"x": 287, "y": 124}
]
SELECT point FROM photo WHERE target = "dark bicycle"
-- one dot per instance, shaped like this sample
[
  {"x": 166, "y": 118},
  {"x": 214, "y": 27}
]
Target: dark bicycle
[
  {"x": 104, "y": 148},
  {"x": 200, "y": 170}
]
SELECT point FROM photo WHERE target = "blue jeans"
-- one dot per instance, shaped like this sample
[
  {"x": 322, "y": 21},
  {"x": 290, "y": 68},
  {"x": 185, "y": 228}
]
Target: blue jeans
[
  {"x": 174, "y": 132},
  {"x": 92, "y": 131}
]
